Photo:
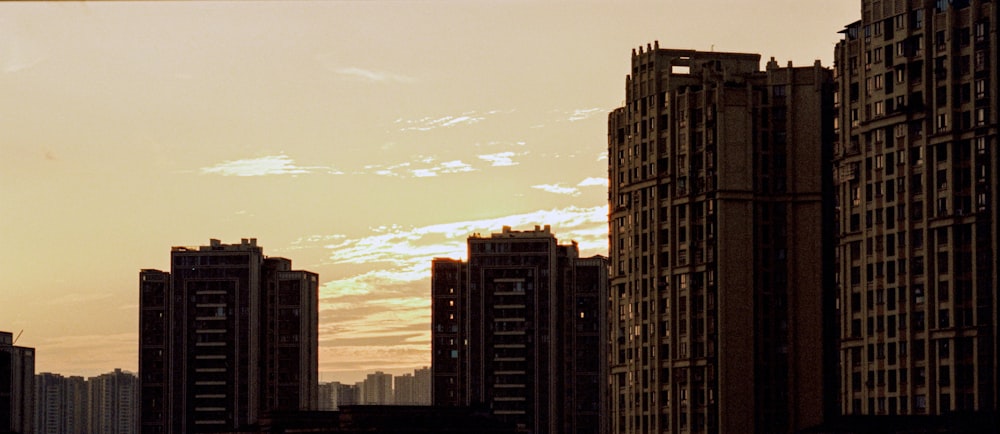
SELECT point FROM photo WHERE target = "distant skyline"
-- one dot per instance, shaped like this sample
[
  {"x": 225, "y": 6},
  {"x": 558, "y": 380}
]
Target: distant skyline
[{"x": 359, "y": 139}]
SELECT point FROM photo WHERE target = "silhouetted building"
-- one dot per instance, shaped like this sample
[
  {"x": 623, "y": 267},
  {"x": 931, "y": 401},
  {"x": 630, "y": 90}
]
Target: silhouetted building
[
  {"x": 718, "y": 199},
  {"x": 112, "y": 401},
  {"x": 916, "y": 165},
  {"x": 227, "y": 335},
  {"x": 332, "y": 395},
  {"x": 518, "y": 329},
  {"x": 377, "y": 389},
  {"x": 413, "y": 389},
  {"x": 17, "y": 386},
  {"x": 61, "y": 404}
]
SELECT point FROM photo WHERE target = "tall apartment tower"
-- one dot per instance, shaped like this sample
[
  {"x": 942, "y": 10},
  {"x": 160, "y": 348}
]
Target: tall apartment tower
[
  {"x": 377, "y": 389},
  {"x": 518, "y": 329},
  {"x": 916, "y": 179},
  {"x": 113, "y": 403},
  {"x": 61, "y": 404},
  {"x": 719, "y": 284},
  {"x": 227, "y": 335},
  {"x": 17, "y": 386}
]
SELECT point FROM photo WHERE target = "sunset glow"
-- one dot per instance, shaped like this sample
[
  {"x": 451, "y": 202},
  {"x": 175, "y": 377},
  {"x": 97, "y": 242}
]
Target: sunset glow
[{"x": 359, "y": 139}]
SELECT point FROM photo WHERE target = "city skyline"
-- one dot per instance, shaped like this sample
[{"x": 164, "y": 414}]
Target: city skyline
[{"x": 135, "y": 127}]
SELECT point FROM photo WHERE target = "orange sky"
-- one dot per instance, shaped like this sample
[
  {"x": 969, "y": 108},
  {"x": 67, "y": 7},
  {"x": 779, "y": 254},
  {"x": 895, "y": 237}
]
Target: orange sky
[{"x": 359, "y": 139}]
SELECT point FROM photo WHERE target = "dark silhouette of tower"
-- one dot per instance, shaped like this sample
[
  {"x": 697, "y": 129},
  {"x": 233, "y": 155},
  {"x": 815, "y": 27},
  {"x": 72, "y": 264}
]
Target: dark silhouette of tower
[
  {"x": 519, "y": 329},
  {"x": 721, "y": 289},
  {"x": 916, "y": 165},
  {"x": 227, "y": 335}
]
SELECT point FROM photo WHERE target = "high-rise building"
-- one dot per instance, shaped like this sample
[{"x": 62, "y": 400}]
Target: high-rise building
[
  {"x": 61, "y": 404},
  {"x": 421, "y": 386},
  {"x": 402, "y": 389},
  {"x": 17, "y": 386},
  {"x": 112, "y": 401},
  {"x": 377, "y": 389},
  {"x": 413, "y": 389},
  {"x": 719, "y": 284},
  {"x": 226, "y": 335},
  {"x": 518, "y": 328},
  {"x": 333, "y": 395},
  {"x": 916, "y": 178}
]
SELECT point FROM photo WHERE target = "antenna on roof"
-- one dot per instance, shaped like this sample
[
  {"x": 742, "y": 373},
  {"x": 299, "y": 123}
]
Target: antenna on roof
[{"x": 18, "y": 337}]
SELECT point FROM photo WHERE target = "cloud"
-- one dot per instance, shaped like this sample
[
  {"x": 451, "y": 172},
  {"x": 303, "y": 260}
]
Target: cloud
[
  {"x": 501, "y": 159},
  {"x": 262, "y": 166},
  {"x": 591, "y": 182},
  {"x": 582, "y": 114},
  {"x": 428, "y": 123},
  {"x": 557, "y": 189},
  {"x": 398, "y": 255},
  {"x": 375, "y": 309},
  {"x": 372, "y": 76},
  {"x": 430, "y": 169}
]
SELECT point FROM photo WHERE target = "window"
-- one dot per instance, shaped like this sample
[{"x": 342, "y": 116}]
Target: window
[
  {"x": 941, "y": 122},
  {"x": 878, "y": 82},
  {"x": 879, "y": 108},
  {"x": 981, "y": 116},
  {"x": 899, "y": 21},
  {"x": 980, "y": 31},
  {"x": 980, "y": 60},
  {"x": 877, "y": 55},
  {"x": 918, "y": 18},
  {"x": 980, "y": 88}
]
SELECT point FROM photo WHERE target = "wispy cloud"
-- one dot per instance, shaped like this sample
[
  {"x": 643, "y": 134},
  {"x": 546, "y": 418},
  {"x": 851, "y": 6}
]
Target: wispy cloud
[
  {"x": 375, "y": 312},
  {"x": 582, "y": 114},
  {"x": 557, "y": 189},
  {"x": 593, "y": 182},
  {"x": 427, "y": 124},
  {"x": 372, "y": 75},
  {"x": 501, "y": 159},
  {"x": 422, "y": 167},
  {"x": 262, "y": 166},
  {"x": 397, "y": 254}
]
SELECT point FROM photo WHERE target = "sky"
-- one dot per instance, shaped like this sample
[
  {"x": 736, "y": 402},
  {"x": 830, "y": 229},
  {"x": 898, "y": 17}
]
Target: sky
[{"x": 360, "y": 139}]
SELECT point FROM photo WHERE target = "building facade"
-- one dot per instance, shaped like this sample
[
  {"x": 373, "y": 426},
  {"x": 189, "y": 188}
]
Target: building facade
[
  {"x": 377, "y": 389},
  {"x": 112, "y": 403},
  {"x": 334, "y": 394},
  {"x": 226, "y": 335},
  {"x": 61, "y": 404},
  {"x": 515, "y": 330},
  {"x": 916, "y": 165},
  {"x": 413, "y": 389},
  {"x": 17, "y": 386},
  {"x": 720, "y": 290}
]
